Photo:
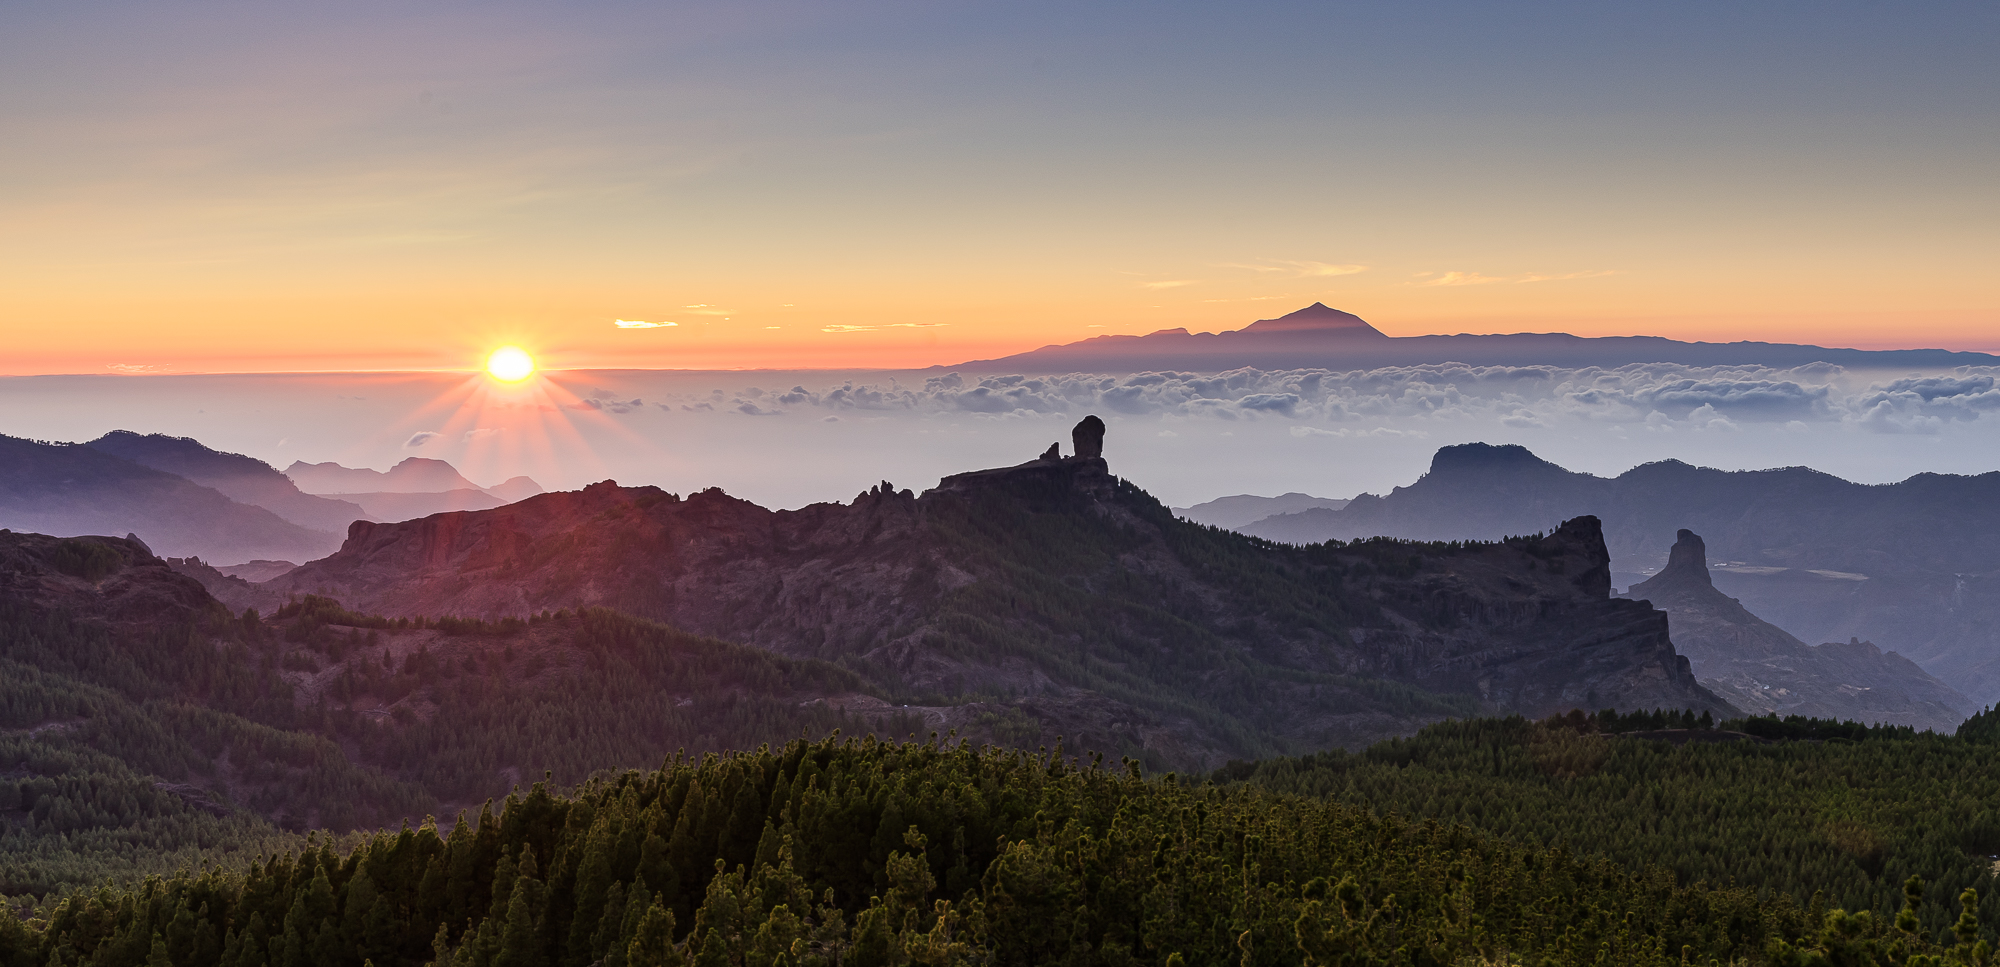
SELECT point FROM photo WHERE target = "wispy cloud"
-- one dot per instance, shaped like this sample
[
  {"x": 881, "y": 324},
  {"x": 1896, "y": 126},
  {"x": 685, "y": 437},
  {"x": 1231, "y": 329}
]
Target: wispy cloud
[
  {"x": 420, "y": 438},
  {"x": 1475, "y": 278},
  {"x": 1299, "y": 269},
  {"x": 1462, "y": 278},
  {"x": 1168, "y": 284},
  {"x": 704, "y": 309},
  {"x": 637, "y": 324},
  {"x": 135, "y": 369},
  {"x": 893, "y": 325},
  {"x": 1572, "y": 275}
]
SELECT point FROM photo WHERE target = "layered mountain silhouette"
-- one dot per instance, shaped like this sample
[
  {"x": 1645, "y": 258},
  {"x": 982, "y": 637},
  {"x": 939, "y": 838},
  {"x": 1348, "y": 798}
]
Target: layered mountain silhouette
[
  {"x": 246, "y": 480},
  {"x": 1763, "y": 670},
  {"x": 415, "y": 475},
  {"x": 1067, "y": 592},
  {"x": 416, "y": 487},
  {"x": 1249, "y": 508},
  {"x": 1909, "y": 566},
  {"x": 1319, "y": 337},
  {"x": 70, "y": 489}
]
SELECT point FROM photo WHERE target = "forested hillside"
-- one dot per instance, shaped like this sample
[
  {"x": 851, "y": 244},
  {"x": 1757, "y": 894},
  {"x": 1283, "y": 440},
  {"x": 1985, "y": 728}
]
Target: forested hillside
[
  {"x": 870, "y": 853},
  {"x": 1810, "y": 807},
  {"x": 141, "y": 724}
]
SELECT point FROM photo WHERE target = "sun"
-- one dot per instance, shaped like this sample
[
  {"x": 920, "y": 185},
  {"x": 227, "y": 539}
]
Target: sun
[{"x": 510, "y": 364}]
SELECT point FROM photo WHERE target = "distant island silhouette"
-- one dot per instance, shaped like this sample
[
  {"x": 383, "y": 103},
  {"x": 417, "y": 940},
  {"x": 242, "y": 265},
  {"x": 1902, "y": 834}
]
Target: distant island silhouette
[{"x": 1321, "y": 337}]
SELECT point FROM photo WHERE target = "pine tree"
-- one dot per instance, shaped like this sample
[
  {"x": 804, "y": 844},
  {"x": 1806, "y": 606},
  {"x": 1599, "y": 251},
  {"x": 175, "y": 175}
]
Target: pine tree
[{"x": 652, "y": 943}]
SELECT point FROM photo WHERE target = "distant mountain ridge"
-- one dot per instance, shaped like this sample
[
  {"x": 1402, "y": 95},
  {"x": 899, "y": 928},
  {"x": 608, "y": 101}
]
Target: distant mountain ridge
[
  {"x": 246, "y": 480},
  {"x": 1763, "y": 670},
  {"x": 1907, "y": 565},
  {"x": 416, "y": 487},
  {"x": 1234, "y": 512},
  {"x": 1320, "y": 337},
  {"x": 70, "y": 489},
  {"x": 414, "y": 475}
]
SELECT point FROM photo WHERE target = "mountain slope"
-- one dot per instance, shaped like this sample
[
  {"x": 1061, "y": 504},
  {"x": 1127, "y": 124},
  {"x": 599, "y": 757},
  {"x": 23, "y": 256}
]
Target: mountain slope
[
  {"x": 1057, "y": 583},
  {"x": 246, "y": 480},
  {"x": 1906, "y": 565},
  {"x": 1321, "y": 337},
  {"x": 143, "y": 727},
  {"x": 1762, "y": 670},
  {"x": 68, "y": 489},
  {"x": 1234, "y": 512}
]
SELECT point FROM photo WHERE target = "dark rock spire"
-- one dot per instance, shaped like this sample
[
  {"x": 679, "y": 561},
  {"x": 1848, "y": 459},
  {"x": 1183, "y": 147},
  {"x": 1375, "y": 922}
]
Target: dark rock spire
[{"x": 1087, "y": 438}]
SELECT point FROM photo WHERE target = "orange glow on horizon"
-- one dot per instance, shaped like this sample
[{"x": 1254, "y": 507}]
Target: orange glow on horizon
[{"x": 363, "y": 335}]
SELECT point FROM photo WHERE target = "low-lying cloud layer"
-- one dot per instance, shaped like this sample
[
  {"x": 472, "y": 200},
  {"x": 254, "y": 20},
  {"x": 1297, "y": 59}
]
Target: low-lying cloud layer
[{"x": 1323, "y": 402}]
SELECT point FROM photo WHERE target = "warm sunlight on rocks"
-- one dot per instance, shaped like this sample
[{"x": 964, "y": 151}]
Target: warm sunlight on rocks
[{"x": 510, "y": 364}]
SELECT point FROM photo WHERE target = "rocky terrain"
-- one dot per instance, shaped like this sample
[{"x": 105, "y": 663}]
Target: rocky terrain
[
  {"x": 1763, "y": 670},
  {"x": 1057, "y": 585},
  {"x": 1909, "y": 566}
]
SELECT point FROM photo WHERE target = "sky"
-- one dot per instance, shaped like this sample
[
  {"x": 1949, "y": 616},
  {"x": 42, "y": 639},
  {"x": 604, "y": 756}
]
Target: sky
[{"x": 236, "y": 187}]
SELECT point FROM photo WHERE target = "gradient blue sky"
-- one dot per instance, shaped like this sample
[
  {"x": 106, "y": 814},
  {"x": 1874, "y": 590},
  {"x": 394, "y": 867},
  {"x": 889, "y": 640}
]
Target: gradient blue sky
[{"x": 232, "y": 186}]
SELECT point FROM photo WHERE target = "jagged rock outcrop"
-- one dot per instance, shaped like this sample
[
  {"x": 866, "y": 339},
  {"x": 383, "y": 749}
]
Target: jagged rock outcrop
[
  {"x": 1087, "y": 438},
  {"x": 1762, "y": 669},
  {"x": 113, "y": 579},
  {"x": 1062, "y": 587}
]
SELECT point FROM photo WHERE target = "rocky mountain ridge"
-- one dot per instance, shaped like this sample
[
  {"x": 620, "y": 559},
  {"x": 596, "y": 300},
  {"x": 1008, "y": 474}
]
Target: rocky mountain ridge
[
  {"x": 1763, "y": 670},
  {"x": 1909, "y": 565},
  {"x": 1054, "y": 581}
]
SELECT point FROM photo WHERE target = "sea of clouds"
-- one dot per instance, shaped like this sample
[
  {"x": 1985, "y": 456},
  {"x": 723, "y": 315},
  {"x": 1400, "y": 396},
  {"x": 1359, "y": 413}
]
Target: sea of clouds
[{"x": 1326, "y": 402}]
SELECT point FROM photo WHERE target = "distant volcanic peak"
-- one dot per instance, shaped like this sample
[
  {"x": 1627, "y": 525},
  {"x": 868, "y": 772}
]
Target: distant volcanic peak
[
  {"x": 1486, "y": 457},
  {"x": 1318, "y": 317}
]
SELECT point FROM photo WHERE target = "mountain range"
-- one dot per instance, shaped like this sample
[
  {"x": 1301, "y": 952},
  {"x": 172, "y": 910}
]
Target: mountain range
[
  {"x": 70, "y": 489},
  {"x": 1908, "y": 566},
  {"x": 1319, "y": 337},
  {"x": 1234, "y": 512},
  {"x": 186, "y": 500},
  {"x": 1060, "y": 590},
  {"x": 416, "y": 487}
]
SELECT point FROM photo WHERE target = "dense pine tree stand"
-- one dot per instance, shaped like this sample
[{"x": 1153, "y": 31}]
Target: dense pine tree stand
[{"x": 864, "y": 852}]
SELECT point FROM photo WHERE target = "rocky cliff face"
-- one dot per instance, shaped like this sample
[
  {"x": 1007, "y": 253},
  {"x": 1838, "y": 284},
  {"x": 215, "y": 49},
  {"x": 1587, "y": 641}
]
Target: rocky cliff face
[
  {"x": 1760, "y": 668},
  {"x": 1908, "y": 565},
  {"x": 1060, "y": 589}
]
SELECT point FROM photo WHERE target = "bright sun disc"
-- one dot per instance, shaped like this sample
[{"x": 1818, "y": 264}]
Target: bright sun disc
[{"x": 510, "y": 364}]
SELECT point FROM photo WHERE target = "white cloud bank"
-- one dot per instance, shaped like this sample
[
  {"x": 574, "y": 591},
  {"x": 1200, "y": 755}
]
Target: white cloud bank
[{"x": 1653, "y": 396}]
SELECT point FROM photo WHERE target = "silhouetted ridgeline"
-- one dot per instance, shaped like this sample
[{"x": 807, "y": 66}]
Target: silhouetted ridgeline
[{"x": 1057, "y": 590}]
